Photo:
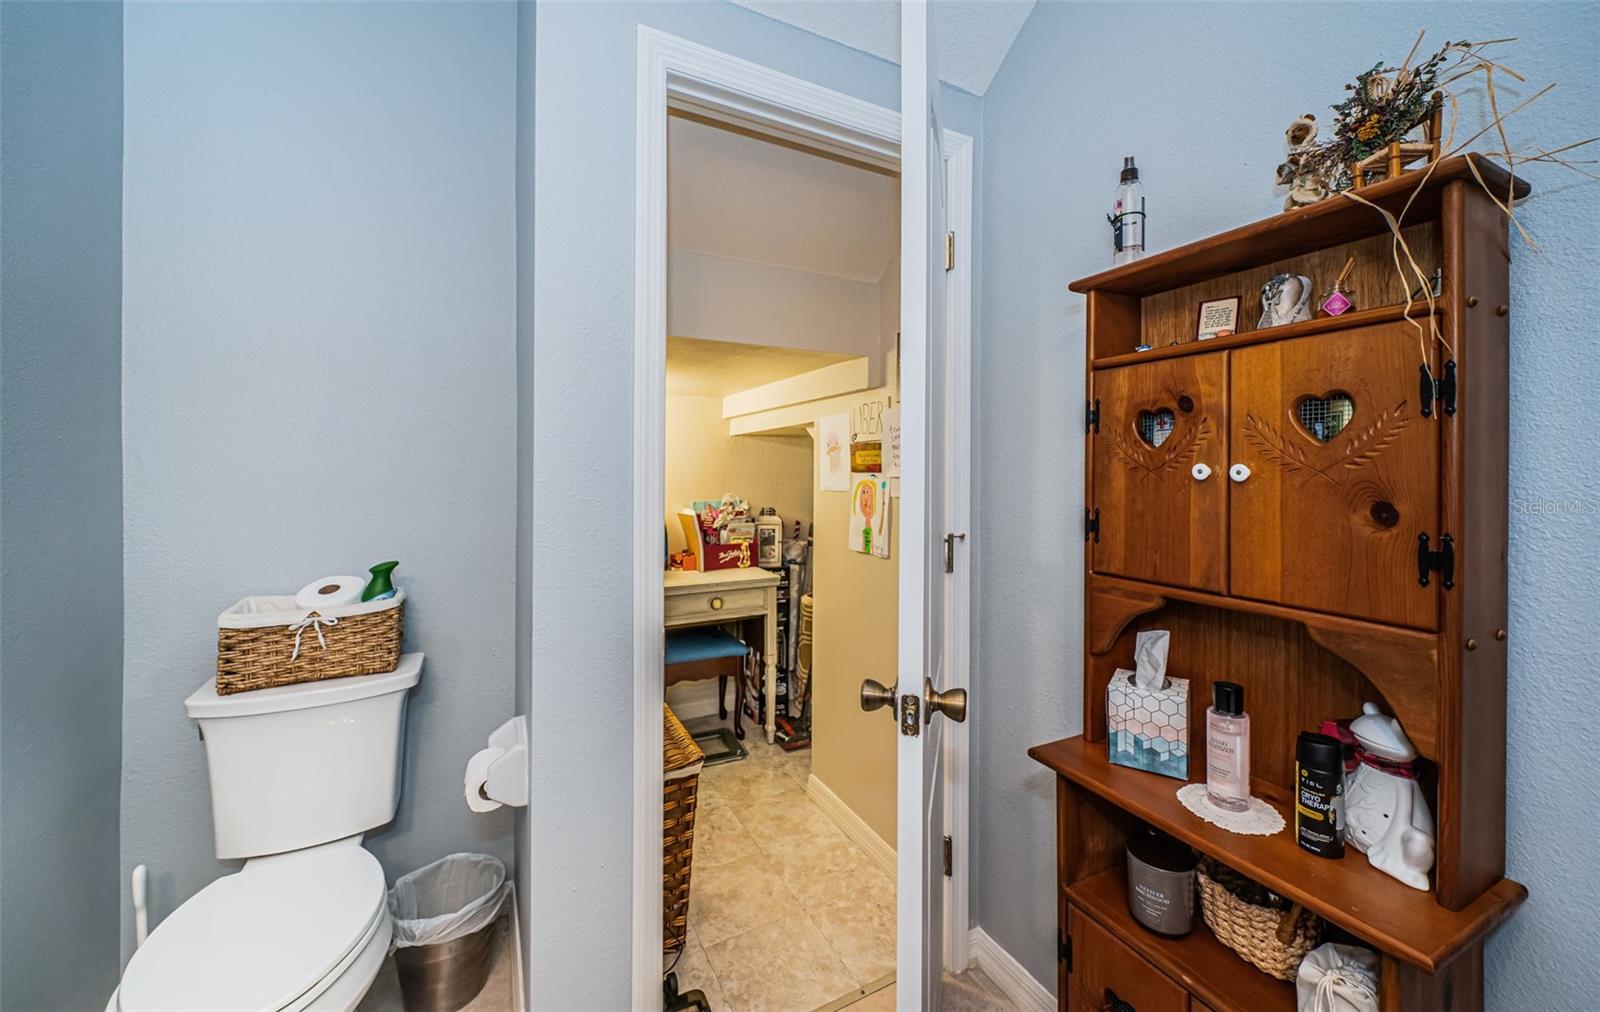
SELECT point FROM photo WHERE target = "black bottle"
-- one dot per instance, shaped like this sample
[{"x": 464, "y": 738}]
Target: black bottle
[{"x": 1319, "y": 794}]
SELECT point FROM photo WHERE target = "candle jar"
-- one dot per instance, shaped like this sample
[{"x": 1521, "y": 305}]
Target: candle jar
[
  {"x": 1340, "y": 298},
  {"x": 1160, "y": 882}
]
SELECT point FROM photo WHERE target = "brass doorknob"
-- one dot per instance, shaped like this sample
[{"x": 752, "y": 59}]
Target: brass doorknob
[
  {"x": 875, "y": 696},
  {"x": 951, "y": 702}
]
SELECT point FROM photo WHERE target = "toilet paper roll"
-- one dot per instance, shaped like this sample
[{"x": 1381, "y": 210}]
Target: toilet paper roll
[
  {"x": 331, "y": 590},
  {"x": 478, "y": 777}
]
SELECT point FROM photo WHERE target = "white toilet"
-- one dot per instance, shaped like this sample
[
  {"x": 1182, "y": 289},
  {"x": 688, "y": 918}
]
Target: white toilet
[{"x": 298, "y": 773}]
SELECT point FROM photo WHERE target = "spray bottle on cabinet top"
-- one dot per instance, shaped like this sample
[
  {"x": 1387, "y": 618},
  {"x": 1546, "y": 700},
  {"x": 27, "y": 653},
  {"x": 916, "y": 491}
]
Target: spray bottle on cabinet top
[{"x": 1127, "y": 217}]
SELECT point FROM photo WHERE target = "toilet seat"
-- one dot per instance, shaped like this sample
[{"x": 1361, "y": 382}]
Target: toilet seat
[{"x": 273, "y": 936}]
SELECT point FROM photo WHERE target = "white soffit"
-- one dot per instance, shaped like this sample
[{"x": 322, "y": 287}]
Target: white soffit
[
  {"x": 741, "y": 197},
  {"x": 972, "y": 38},
  {"x": 719, "y": 368}
]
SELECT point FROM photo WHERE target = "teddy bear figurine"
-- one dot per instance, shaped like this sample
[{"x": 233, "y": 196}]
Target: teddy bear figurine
[{"x": 1306, "y": 182}]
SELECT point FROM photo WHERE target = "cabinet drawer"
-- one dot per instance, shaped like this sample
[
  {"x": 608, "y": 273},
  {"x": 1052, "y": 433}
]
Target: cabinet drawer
[
  {"x": 1107, "y": 975},
  {"x": 682, "y": 609}
]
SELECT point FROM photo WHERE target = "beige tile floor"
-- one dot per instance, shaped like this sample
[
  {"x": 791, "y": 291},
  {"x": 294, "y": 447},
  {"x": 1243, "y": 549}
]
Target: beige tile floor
[
  {"x": 785, "y": 913},
  {"x": 971, "y": 991}
]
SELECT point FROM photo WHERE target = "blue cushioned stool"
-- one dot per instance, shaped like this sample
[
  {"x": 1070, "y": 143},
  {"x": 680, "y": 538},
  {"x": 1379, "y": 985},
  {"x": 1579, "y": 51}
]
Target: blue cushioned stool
[{"x": 708, "y": 652}]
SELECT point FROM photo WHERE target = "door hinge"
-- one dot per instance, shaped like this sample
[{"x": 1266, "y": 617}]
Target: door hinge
[
  {"x": 1064, "y": 949},
  {"x": 1091, "y": 524},
  {"x": 1441, "y": 560},
  {"x": 949, "y": 251},
  {"x": 1441, "y": 390},
  {"x": 949, "y": 859},
  {"x": 950, "y": 550},
  {"x": 1091, "y": 415}
]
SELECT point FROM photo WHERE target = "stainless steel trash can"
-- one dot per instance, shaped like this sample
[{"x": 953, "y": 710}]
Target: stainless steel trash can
[
  {"x": 444, "y": 922},
  {"x": 444, "y": 977}
]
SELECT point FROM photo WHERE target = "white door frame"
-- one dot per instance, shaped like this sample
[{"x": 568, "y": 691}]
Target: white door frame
[{"x": 682, "y": 74}]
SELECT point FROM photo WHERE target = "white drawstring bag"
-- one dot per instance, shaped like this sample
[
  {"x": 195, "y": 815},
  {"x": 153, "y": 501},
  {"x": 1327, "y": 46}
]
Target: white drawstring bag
[{"x": 1337, "y": 978}]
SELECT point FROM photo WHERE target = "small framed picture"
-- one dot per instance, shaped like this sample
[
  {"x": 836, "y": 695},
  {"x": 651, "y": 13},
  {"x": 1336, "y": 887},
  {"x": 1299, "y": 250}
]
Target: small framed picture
[{"x": 1218, "y": 318}]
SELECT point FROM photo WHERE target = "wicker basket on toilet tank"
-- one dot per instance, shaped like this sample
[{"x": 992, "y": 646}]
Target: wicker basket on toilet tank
[{"x": 268, "y": 640}]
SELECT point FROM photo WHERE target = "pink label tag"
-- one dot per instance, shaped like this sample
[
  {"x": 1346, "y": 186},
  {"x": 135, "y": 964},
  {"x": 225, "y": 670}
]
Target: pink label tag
[{"x": 1335, "y": 304}]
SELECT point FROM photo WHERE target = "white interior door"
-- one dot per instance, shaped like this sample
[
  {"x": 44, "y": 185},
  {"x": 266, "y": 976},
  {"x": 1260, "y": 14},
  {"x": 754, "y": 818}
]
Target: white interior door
[{"x": 920, "y": 817}]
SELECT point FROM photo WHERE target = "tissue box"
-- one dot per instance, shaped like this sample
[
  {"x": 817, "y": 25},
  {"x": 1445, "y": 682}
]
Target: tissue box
[{"x": 1148, "y": 729}]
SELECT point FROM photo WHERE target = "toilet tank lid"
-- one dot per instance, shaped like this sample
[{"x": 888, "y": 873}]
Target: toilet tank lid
[{"x": 206, "y": 703}]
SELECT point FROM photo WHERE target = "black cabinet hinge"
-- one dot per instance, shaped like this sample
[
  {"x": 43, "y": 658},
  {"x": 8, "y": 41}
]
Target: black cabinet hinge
[
  {"x": 1441, "y": 560},
  {"x": 1091, "y": 415},
  {"x": 949, "y": 857},
  {"x": 1064, "y": 950},
  {"x": 1091, "y": 524},
  {"x": 1441, "y": 390}
]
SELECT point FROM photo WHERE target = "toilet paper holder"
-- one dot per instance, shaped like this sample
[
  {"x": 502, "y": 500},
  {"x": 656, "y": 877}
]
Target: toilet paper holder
[{"x": 498, "y": 775}]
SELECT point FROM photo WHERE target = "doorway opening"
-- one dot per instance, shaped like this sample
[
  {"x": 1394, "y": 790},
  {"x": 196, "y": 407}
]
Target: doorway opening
[
  {"x": 735, "y": 100},
  {"x": 780, "y": 487}
]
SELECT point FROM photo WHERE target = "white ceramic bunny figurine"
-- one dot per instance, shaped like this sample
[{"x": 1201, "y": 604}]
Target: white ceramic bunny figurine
[{"x": 1386, "y": 815}]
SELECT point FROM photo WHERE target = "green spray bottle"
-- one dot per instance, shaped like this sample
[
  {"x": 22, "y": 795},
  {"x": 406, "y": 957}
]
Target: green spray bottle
[{"x": 381, "y": 586}]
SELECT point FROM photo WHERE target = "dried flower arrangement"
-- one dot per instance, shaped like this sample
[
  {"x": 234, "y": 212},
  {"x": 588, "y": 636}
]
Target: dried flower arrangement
[{"x": 1385, "y": 105}]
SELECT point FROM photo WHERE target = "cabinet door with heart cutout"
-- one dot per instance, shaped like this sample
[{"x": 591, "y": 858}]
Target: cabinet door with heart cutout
[
  {"x": 1343, "y": 474},
  {"x": 1159, "y": 472}
]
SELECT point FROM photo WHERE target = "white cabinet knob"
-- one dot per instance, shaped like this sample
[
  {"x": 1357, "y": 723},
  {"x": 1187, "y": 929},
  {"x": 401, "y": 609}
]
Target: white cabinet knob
[
  {"x": 1200, "y": 471},
  {"x": 1238, "y": 472}
]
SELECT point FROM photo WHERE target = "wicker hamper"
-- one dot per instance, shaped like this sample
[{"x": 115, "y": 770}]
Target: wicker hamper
[
  {"x": 1271, "y": 939},
  {"x": 268, "y": 641},
  {"x": 680, "y": 793}
]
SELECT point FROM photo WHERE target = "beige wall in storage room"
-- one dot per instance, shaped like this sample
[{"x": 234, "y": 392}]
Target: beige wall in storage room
[
  {"x": 854, "y": 618},
  {"x": 703, "y": 462}
]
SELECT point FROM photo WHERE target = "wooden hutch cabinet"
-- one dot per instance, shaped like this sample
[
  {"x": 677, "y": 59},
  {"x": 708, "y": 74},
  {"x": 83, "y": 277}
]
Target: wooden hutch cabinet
[{"x": 1316, "y": 511}]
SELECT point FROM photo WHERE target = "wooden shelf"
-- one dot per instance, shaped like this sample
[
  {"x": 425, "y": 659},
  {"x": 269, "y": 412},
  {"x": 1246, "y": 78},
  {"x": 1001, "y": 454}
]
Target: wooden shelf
[
  {"x": 1362, "y": 318},
  {"x": 1328, "y": 223},
  {"x": 1349, "y": 892},
  {"x": 1204, "y": 966}
]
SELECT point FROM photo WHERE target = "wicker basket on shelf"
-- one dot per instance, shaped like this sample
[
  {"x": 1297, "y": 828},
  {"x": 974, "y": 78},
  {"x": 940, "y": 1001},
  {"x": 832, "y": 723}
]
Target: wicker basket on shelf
[
  {"x": 267, "y": 641},
  {"x": 1273, "y": 940},
  {"x": 680, "y": 794}
]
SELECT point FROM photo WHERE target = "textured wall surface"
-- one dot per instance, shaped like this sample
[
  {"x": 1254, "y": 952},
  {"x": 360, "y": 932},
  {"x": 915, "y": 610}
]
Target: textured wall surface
[
  {"x": 583, "y": 394},
  {"x": 1062, "y": 112},
  {"x": 320, "y": 372},
  {"x": 61, "y": 502}
]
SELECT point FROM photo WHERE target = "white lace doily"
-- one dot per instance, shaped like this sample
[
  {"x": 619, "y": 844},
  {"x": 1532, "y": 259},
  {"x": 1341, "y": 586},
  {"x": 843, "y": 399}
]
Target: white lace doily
[{"x": 1260, "y": 819}]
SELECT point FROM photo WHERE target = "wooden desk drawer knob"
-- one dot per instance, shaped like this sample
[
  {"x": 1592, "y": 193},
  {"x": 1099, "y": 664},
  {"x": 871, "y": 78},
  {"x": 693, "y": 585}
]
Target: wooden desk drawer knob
[{"x": 716, "y": 603}]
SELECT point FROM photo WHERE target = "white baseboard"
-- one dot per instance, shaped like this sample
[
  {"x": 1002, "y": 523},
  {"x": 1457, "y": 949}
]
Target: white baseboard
[
  {"x": 852, "y": 825},
  {"x": 1019, "y": 985}
]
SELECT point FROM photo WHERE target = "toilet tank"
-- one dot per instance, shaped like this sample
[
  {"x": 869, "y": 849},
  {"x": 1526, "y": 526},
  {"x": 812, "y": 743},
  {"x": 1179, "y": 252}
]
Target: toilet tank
[{"x": 300, "y": 765}]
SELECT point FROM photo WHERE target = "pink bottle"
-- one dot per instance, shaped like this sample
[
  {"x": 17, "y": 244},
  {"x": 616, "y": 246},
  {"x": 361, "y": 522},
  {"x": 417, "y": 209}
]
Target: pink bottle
[{"x": 1228, "y": 748}]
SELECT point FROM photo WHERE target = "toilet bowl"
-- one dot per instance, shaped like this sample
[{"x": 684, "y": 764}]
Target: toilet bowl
[
  {"x": 300, "y": 931},
  {"x": 298, "y": 773}
]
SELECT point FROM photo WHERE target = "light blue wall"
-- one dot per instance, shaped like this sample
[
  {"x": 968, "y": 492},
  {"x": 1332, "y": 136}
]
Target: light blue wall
[
  {"x": 320, "y": 369},
  {"x": 1201, "y": 93},
  {"x": 583, "y": 395},
  {"x": 60, "y": 502}
]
